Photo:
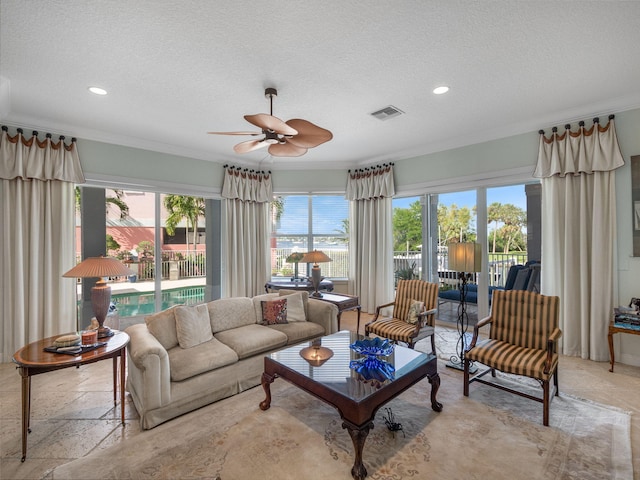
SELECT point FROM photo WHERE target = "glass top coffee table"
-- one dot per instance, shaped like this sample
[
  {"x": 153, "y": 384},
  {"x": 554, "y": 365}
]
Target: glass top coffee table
[{"x": 321, "y": 368}]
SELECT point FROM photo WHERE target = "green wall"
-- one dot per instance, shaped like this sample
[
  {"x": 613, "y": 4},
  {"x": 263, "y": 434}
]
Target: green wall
[{"x": 485, "y": 160}]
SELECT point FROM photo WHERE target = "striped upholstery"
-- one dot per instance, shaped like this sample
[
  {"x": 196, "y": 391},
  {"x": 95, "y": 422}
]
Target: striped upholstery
[
  {"x": 522, "y": 337},
  {"x": 513, "y": 359},
  {"x": 521, "y": 324},
  {"x": 396, "y": 327},
  {"x": 523, "y": 318}
]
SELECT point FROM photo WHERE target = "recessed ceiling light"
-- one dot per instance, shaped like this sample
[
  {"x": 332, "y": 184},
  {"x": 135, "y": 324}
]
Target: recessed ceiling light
[
  {"x": 440, "y": 90},
  {"x": 98, "y": 90}
]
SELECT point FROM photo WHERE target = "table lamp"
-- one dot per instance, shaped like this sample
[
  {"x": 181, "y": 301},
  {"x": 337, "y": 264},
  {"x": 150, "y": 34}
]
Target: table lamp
[
  {"x": 464, "y": 258},
  {"x": 100, "y": 267},
  {"x": 315, "y": 257},
  {"x": 294, "y": 258}
]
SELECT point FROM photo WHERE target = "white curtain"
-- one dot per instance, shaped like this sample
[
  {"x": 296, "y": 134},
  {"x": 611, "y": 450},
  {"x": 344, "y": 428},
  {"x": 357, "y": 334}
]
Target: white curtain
[
  {"x": 371, "y": 236},
  {"x": 579, "y": 232},
  {"x": 248, "y": 257},
  {"x": 37, "y": 220}
]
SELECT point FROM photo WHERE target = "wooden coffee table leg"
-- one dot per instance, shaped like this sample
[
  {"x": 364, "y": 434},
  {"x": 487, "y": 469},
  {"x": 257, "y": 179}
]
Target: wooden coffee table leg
[
  {"x": 434, "y": 380},
  {"x": 267, "y": 380},
  {"x": 358, "y": 437}
]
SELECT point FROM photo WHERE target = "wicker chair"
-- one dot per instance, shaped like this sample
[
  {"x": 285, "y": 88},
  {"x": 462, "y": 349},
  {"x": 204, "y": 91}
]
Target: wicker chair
[
  {"x": 522, "y": 341},
  {"x": 397, "y": 327}
]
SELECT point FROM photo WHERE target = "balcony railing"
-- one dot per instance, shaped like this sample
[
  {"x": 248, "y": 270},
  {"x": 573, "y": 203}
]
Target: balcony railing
[
  {"x": 338, "y": 267},
  {"x": 499, "y": 265},
  {"x": 187, "y": 264}
]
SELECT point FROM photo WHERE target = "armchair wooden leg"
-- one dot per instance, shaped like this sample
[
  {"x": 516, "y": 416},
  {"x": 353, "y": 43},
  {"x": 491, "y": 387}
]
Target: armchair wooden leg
[
  {"x": 555, "y": 382},
  {"x": 466, "y": 378},
  {"x": 545, "y": 403},
  {"x": 433, "y": 344}
]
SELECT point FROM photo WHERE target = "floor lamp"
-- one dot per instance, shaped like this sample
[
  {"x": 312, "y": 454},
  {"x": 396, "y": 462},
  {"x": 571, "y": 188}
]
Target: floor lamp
[
  {"x": 315, "y": 257},
  {"x": 464, "y": 258}
]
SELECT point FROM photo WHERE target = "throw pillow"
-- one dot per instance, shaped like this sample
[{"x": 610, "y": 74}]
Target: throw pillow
[
  {"x": 295, "y": 307},
  {"x": 192, "y": 325},
  {"x": 304, "y": 294},
  {"x": 415, "y": 309},
  {"x": 162, "y": 325},
  {"x": 274, "y": 312}
]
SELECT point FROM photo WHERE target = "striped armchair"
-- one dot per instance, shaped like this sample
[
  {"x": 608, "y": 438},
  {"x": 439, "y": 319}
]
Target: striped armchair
[
  {"x": 522, "y": 341},
  {"x": 398, "y": 327}
]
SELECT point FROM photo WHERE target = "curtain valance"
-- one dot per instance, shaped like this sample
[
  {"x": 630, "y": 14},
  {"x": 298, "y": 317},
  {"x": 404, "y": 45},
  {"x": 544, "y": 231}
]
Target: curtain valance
[
  {"x": 585, "y": 151},
  {"x": 247, "y": 185},
  {"x": 32, "y": 159},
  {"x": 370, "y": 183}
]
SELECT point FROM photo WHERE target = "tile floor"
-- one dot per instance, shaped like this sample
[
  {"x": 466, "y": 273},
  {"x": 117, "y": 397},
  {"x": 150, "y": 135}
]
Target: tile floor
[{"x": 73, "y": 412}]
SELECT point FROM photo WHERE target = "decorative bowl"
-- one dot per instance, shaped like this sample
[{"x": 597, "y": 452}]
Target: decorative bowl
[
  {"x": 373, "y": 368},
  {"x": 373, "y": 347}
]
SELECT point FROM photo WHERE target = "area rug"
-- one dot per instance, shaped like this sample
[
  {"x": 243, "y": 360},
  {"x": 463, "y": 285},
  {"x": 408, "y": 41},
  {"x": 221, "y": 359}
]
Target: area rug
[{"x": 490, "y": 434}]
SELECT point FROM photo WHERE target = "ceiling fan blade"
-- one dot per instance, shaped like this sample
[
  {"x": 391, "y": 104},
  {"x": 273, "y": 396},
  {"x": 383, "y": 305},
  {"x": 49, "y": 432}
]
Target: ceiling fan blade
[
  {"x": 235, "y": 133},
  {"x": 309, "y": 134},
  {"x": 269, "y": 122},
  {"x": 250, "y": 146},
  {"x": 286, "y": 149}
]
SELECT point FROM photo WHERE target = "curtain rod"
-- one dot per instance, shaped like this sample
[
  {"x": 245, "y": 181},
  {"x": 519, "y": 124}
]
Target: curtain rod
[
  {"x": 240, "y": 169},
  {"x": 35, "y": 133},
  {"x": 377, "y": 167},
  {"x": 580, "y": 123}
]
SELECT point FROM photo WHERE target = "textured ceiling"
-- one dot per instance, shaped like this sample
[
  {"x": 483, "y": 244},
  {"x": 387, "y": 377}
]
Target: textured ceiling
[{"x": 177, "y": 69}]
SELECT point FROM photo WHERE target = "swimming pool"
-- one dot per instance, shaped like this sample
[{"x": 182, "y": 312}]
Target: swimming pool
[{"x": 144, "y": 303}]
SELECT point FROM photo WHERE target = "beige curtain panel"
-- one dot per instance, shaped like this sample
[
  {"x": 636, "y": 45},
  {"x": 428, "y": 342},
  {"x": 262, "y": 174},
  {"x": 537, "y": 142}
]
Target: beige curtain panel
[
  {"x": 246, "y": 195},
  {"x": 37, "y": 242},
  {"x": 579, "y": 232},
  {"x": 371, "y": 234}
]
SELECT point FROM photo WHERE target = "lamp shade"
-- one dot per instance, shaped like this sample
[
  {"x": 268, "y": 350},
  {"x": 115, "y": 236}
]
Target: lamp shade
[
  {"x": 465, "y": 257},
  {"x": 315, "y": 256},
  {"x": 99, "y": 267},
  {"x": 294, "y": 257}
]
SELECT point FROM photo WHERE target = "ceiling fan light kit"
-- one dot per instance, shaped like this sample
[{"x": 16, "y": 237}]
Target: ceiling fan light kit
[{"x": 284, "y": 139}]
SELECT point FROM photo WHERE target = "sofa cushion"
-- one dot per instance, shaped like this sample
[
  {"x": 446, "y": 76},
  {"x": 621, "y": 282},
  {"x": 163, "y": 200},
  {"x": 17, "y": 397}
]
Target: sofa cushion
[
  {"x": 186, "y": 363},
  {"x": 295, "y": 307},
  {"x": 251, "y": 340},
  {"x": 257, "y": 304},
  {"x": 162, "y": 325},
  {"x": 299, "y": 331},
  {"x": 226, "y": 313},
  {"x": 274, "y": 311},
  {"x": 192, "y": 325},
  {"x": 303, "y": 294}
]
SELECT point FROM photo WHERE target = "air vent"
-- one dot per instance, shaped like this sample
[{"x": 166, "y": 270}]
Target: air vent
[{"x": 387, "y": 112}]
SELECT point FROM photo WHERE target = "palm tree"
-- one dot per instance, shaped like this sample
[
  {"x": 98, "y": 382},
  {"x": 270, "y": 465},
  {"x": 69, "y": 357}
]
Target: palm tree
[
  {"x": 116, "y": 201},
  {"x": 183, "y": 207}
]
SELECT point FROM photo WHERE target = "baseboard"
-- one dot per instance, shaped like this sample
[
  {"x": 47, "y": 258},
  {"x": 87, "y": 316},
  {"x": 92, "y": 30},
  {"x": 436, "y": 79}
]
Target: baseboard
[{"x": 628, "y": 359}]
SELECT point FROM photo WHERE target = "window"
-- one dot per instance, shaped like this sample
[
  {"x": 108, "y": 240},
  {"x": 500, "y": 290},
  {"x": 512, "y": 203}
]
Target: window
[
  {"x": 302, "y": 223},
  {"x": 173, "y": 274},
  {"x": 407, "y": 238}
]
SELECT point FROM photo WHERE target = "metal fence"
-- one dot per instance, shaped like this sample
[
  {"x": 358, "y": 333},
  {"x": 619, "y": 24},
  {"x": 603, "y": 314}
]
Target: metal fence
[
  {"x": 338, "y": 267},
  {"x": 408, "y": 264}
]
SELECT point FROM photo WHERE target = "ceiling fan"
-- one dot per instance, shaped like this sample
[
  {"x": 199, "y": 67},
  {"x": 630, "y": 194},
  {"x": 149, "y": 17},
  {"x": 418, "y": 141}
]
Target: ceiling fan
[{"x": 285, "y": 139}]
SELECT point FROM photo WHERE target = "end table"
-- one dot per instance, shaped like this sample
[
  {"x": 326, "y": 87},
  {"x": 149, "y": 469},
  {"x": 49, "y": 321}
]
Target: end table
[{"x": 344, "y": 302}]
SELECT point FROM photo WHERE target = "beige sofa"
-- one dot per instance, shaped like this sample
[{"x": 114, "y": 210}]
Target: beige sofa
[{"x": 186, "y": 357}]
